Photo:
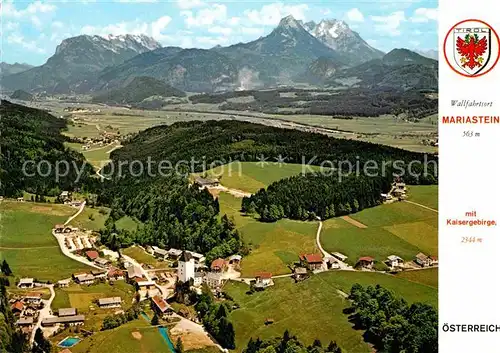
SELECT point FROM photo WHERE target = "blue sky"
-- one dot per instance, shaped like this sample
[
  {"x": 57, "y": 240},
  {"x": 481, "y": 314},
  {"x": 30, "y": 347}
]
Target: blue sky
[{"x": 32, "y": 29}]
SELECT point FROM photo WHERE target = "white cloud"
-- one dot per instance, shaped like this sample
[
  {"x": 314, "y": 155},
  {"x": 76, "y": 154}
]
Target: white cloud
[
  {"x": 271, "y": 14},
  {"x": 11, "y": 26},
  {"x": 216, "y": 13},
  {"x": 37, "y": 7},
  {"x": 414, "y": 43},
  {"x": 252, "y": 31},
  {"x": 220, "y": 30},
  {"x": 325, "y": 12},
  {"x": 355, "y": 15},
  {"x": 423, "y": 14},
  {"x": 135, "y": 1},
  {"x": 57, "y": 25},
  {"x": 18, "y": 39},
  {"x": 233, "y": 21},
  {"x": 35, "y": 20},
  {"x": 158, "y": 26},
  {"x": 189, "y": 4},
  {"x": 389, "y": 24}
]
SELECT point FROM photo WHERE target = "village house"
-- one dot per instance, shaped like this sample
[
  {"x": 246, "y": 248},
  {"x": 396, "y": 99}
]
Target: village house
[
  {"x": 134, "y": 272},
  {"x": 106, "y": 303},
  {"x": 198, "y": 258},
  {"x": 394, "y": 261},
  {"x": 63, "y": 283},
  {"x": 235, "y": 260},
  {"x": 74, "y": 320},
  {"x": 311, "y": 261},
  {"x": 98, "y": 273},
  {"x": 174, "y": 254},
  {"x": 161, "y": 307},
  {"x": 213, "y": 280},
  {"x": 65, "y": 196},
  {"x": 299, "y": 273},
  {"x": 365, "y": 262},
  {"x": 160, "y": 253},
  {"x": 92, "y": 255},
  {"x": 66, "y": 312},
  {"x": 143, "y": 284},
  {"x": 434, "y": 260},
  {"x": 218, "y": 265},
  {"x": 115, "y": 274},
  {"x": 59, "y": 228},
  {"x": 332, "y": 263},
  {"x": 423, "y": 260},
  {"x": 33, "y": 298},
  {"x": 25, "y": 322},
  {"x": 84, "y": 278},
  {"x": 339, "y": 256},
  {"x": 206, "y": 183},
  {"x": 17, "y": 307},
  {"x": 26, "y": 283},
  {"x": 101, "y": 262},
  {"x": 263, "y": 280},
  {"x": 198, "y": 279}
]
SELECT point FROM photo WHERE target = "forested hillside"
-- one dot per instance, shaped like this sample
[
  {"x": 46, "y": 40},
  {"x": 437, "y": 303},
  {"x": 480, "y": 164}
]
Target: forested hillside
[
  {"x": 197, "y": 144},
  {"x": 30, "y": 136},
  {"x": 305, "y": 197},
  {"x": 174, "y": 214}
]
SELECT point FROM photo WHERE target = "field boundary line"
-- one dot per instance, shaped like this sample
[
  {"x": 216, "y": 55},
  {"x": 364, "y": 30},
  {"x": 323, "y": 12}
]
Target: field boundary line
[
  {"x": 353, "y": 222},
  {"x": 30, "y": 248},
  {"x": 423, "y": 206}
]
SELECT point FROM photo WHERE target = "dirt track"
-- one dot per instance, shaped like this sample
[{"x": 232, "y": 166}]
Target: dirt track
[{"x": 354, "y": 222}]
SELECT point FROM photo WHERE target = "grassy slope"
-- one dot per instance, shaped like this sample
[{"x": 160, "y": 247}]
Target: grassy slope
[
  {"x": 91, "y": 218},
  {"x": 32, "y": 250},
  {"x": 429, "y": 277},
  {"x": 274, "y": 244},
  {"x": 252, "y": 176},
  {"x": 313, "y": 308},
  {"x": 426, "y": 195},
  {"x": 120, "y": 340}
]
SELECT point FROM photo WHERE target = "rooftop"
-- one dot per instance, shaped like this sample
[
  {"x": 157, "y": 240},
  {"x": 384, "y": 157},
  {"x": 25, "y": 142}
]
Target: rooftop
[
  {"x": 366, "y": 259},
  {"x": 91, "y": 254},
  {"x": 25, "y": 321},
  {"x": 26, "y": 281},
  {"x": 160, "y": 303},
  {"x": 264, "y": 275},
  {"x": 218, "y": 263},
  {"x": 312, "y": 258},
  {"x": 61, "y": 320},
  {"x": 134, "y": 271},
  {"x": 394, "y": 258},
  {"x": 112, "y": 300}
]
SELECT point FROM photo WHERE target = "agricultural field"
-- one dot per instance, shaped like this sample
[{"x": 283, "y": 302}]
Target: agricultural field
[
  {"x": 252, "y": 176},
  {"x": 136, "y": 336},
  {"x": 28, "y": 244},
  {"x": 425, "y": 195},
  {"x": 274, "y": 245},
  {"x": 399, "y": 228},
  {"x": 84, "y": 298},
  {"x": 91, "y": 218},
  {"x": 319, "y": 305},
  {"x": 429, "y": 276}
]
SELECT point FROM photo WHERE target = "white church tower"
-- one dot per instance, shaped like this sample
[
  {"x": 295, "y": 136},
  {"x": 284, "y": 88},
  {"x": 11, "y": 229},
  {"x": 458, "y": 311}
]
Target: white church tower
[{"x": 185, "y": 269}]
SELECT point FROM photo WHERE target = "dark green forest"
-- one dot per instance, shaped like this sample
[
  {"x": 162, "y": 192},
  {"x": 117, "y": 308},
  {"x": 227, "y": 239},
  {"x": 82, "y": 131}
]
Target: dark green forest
[
  {"x": 12, "y": 340},
  {"x": 31, "y": 136},
  {"x": 197, "y": 144},
  {"x": 288, "y": 344},
  {"x": 174, "y": 214},
  {"x": 391, "y": 323},
  {"x": 305, "y": 197}
]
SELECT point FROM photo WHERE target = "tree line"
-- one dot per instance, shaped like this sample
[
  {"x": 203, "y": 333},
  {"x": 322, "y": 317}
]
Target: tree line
[
  {"x": 174, "y": 214},
  {"x": 391, "y": 323},
  {"x": 289, "y": 344},
  {"x": 12, "y": 340},
  {"x": 305, "y": 197},
  {"x": 30, "y": 136}
]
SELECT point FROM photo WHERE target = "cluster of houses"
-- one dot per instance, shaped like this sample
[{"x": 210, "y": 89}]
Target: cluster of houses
[
  {"x": 26, "y": 310},
  {"x": 93, "y": 255},
  {"x": 66, "y": 317},
  {"x": 87, "y": 278},
  {"x": 397, "y": 192}
]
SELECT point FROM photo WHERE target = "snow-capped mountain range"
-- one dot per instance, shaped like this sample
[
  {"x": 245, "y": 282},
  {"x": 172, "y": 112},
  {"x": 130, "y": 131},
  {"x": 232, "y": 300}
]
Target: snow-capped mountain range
[{"x": 337, "y": 35}]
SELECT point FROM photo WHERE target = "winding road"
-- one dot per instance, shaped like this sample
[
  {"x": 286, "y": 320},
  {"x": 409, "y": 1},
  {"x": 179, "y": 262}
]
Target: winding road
[{"x": 45, "y": 312}]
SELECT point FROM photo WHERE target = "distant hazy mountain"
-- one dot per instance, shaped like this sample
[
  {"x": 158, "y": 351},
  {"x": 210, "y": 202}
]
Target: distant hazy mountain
[
  {"x": 399, "y": 69},
  {"x": 337, "y": 35},
  {"x": 430, "y": 53},
  {"x": 9, "y": 69},
  {"x": 196, "y": 70},
  {"x": 76, "y": 59},
  {"x": 136, "y": 91}
]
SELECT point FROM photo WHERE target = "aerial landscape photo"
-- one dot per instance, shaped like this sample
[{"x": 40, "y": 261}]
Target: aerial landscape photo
[{"x": 209, "y": 176}]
